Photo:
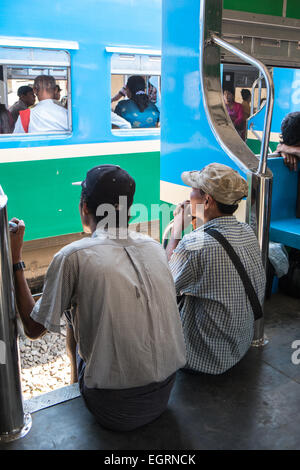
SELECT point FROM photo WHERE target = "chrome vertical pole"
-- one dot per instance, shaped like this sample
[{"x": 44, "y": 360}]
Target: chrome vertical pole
[
  {"x": 258, "y": 216},
  {"x": 259, "y": 91},
  {"x": 13, "y": 422}
]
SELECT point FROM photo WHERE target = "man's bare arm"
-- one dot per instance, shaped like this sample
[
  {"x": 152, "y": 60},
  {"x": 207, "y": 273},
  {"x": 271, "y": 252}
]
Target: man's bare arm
[
  {"x": 294, "y": 150},
  {"x": 25, "y": 301},
  {"x": 290, "y": 155}
]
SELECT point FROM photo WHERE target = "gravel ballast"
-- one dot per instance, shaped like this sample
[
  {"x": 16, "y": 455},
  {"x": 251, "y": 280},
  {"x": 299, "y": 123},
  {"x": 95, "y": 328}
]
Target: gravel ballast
[{"x": 45, "y": 365}]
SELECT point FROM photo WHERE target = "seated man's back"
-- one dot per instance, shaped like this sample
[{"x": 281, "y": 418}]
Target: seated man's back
[
  {"x": 217, "y": 317},
  {"x": 124, "y": 335},
  {"x": 123, "y": 307}
]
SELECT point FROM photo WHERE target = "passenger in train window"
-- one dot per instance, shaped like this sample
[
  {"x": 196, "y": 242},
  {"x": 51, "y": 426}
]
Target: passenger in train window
[
  {"x": 124, "y": 325},
  {"x": 138, "y": 109},
  {"x": 57, "y": 93},
  {"x": 236, "y": 113},
  {"x": 26, "y": 99},
  {"x": 121, "y": 94},
  {"x": 117, "y": 122},
  {"x": 46, "y": 116},
  {"x": 289, "y": 148},
  {"x": 6, "y": 120},
  {"x": 246, "y": 96},
  {"x": 217, "y": 317},
  {"x": 152, "y": 93},
  {"x": 56, "y": 98}
]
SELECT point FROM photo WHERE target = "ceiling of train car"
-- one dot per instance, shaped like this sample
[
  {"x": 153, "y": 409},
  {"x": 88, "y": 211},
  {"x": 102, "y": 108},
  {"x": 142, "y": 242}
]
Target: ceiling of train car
[
  {"x": 285, "y": 8},
  {"x": 272, "y": 39}
]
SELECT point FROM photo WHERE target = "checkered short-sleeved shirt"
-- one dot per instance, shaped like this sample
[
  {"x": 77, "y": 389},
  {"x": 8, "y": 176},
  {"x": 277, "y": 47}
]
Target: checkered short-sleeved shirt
[{"x": 216, "y": 314}]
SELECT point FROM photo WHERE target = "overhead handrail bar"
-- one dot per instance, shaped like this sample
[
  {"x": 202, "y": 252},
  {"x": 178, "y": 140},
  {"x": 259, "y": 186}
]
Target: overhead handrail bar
[{"x": 262, "y": 166}]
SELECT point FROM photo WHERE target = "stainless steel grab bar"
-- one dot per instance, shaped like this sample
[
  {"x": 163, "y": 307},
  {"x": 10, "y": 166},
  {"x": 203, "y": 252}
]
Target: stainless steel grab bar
[
  {"x": 262, "y": 167},
  {"x": 252, "y": 95},
  {"x": 258, "y": 82}
]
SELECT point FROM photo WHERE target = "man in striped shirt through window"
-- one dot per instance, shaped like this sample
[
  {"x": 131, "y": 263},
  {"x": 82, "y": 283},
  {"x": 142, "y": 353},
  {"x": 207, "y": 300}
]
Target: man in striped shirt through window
[{"x": 216, "y": 314}]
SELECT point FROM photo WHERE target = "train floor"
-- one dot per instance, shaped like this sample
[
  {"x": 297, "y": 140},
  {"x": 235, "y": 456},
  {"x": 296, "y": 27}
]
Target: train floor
[{"x": 255, "y": 405}]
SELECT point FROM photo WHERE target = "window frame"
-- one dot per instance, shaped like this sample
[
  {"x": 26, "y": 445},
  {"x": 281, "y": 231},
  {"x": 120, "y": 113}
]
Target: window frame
[
  {"x": 38, "y": 44},
  {"x": 122, "y": 51}
]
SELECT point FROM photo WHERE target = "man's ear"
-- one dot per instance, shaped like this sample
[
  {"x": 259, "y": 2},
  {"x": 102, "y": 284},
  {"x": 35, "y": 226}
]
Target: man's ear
[{"x": 209, "y": 201}]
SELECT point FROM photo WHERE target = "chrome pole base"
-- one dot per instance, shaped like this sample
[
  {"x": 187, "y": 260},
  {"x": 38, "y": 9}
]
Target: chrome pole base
[
  {"x": 17, "y": 434},
  {"x": 258, "y": 343}
]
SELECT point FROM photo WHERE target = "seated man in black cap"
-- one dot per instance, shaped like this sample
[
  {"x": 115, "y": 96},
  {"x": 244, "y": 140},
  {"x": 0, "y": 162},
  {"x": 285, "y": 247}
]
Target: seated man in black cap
[
  {"x": 26, "y": 99},
  {"x": 125, "y": 319}
]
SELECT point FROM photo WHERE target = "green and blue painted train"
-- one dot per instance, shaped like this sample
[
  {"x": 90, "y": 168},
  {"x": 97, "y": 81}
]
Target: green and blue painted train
[{"x": 91, "y": 48}]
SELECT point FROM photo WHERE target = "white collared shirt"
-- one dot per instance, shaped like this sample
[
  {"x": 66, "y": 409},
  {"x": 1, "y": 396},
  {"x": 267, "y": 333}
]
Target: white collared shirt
[
  {"x": 46, "y": 117},
  {"x": 119, "y": 121}
]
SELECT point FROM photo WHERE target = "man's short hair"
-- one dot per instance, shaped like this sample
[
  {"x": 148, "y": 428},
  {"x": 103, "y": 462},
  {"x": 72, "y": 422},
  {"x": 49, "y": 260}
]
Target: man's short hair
[
  {"x": 105, "y": 184},
  {"x": 45, "y": 82},
  {"x": 23, "y": 90},
  {"x": 245, "y": 94},
  {"x": 227, "y": 209},
  {"x": 290, "y": 129}
]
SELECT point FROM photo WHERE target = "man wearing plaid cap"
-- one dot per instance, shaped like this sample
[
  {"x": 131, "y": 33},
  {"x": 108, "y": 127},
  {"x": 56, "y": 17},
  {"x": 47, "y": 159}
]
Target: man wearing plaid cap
[{"x": 217, "y": 316}]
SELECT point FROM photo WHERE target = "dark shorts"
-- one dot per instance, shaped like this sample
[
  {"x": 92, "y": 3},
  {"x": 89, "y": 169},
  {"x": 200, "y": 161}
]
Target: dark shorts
[{"x": 124, "y": 409}]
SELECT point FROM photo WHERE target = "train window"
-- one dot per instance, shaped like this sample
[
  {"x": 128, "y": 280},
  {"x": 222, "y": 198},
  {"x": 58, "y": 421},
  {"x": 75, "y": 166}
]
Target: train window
[
  {"x": 238, "y": 77},
  {"x": 19, "y": 68},
  {"x": 135, "y": 92}
]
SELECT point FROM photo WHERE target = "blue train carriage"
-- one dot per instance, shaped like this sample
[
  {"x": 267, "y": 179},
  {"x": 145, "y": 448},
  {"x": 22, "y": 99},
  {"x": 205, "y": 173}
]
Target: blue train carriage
[
  {"x": 197, "y": 63},
  {"x": 91, "y": 51}
]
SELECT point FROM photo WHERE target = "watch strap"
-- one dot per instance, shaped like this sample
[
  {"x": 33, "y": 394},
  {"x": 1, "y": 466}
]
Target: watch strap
[{"x": 18, "y": 266}]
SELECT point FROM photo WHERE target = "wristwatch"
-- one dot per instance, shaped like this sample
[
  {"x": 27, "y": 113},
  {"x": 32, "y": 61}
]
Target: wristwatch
[{"x": 18, "y": 266}]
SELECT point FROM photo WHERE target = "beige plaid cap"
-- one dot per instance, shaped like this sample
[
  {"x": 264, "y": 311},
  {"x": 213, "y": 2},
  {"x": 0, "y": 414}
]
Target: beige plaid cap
[{"x": 221, "y": 182}]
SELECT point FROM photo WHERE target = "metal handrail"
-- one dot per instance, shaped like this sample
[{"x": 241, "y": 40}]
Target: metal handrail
[
  {"x": 262, "y": 166},
  {"x": 259, "y": 91},
  {"x": 255, "y": 83},
  {"x": 252, "y": 94}
]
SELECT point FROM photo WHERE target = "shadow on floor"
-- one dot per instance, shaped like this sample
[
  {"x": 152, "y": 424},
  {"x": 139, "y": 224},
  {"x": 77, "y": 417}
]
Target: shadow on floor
[{"x": 255, "y": 405}]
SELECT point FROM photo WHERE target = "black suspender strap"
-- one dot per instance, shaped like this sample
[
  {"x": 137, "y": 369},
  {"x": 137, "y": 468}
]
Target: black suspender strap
[{"x": 255, "y": 303}]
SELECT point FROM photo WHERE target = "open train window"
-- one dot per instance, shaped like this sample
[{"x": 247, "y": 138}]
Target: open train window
[
  {"x": 239, "y": 77},
  {"x": 138, "y": 112},
  {"x": 19, "y": 68}
]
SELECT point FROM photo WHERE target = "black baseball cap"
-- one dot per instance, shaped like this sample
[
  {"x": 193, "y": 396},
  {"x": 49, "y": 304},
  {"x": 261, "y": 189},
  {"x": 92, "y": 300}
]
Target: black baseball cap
[{"x": 106, "y": 183}]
